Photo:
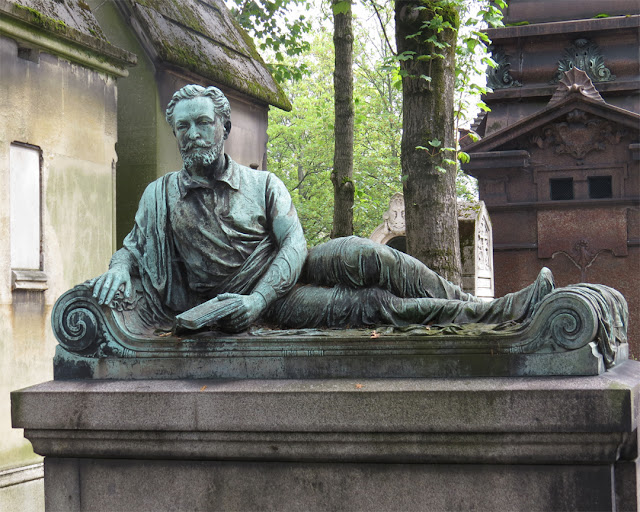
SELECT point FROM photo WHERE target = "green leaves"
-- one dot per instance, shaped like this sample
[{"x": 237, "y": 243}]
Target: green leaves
[
  {"x": 408, "y": 55},
  {"x": 300, "y": 147},
  {"x": 277, "y": 32},
  {"x": 464, "y": 157}
]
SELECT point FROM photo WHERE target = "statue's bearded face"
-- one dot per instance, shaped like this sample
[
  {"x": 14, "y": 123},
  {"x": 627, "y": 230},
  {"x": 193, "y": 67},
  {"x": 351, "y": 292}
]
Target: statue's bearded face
[{"x": 200, "y": 133}]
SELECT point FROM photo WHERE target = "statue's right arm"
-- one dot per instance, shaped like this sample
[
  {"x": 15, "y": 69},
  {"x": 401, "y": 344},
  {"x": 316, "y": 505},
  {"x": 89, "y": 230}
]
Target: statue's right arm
[
  {"x": 119, "y": 274},
  {"x": 123, "y": 263}
]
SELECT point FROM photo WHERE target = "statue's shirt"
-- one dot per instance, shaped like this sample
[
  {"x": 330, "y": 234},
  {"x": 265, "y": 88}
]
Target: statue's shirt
[
  {"x": 195, "y": 238},
  {"x": 217, "y": 225}
]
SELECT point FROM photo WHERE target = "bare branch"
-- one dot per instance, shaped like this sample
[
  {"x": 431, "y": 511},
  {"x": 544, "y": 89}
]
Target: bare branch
[{"x": 384, "y": 31}]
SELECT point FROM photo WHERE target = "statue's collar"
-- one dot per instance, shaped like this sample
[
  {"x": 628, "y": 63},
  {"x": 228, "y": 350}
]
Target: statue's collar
[{"x": 229, "y": 175}]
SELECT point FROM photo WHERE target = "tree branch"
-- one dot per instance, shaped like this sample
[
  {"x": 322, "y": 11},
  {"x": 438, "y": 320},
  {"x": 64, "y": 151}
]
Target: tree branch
[{"x": 386, "y": 38}]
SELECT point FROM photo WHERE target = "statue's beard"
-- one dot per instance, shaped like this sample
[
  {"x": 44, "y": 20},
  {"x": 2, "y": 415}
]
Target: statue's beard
[{"x": 199, "y": 154}]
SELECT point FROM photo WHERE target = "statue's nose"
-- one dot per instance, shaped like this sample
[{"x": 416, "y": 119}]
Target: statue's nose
[{"x": 193, "y": 132}]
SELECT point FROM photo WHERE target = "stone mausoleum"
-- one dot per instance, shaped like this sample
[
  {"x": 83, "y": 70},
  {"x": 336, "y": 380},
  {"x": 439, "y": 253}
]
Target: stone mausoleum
[{"x": 558, "y": 160}]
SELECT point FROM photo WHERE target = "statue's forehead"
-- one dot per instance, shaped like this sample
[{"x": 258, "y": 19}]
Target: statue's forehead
[{"x": 194, "y": 107}]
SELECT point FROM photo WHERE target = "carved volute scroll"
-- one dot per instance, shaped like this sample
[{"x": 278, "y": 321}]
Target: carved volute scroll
[
  {"x": 500, "y": 76},
  {"x": 585, "y": 55}
]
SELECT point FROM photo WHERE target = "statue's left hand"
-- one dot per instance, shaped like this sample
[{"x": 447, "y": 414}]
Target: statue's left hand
[{"x": 247, "y": 312}]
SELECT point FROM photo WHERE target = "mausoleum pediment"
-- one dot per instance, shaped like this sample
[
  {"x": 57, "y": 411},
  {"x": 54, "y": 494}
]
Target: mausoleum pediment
[
  {"x": 576, "y": 122},
  {"x": 574, "y": 116}
]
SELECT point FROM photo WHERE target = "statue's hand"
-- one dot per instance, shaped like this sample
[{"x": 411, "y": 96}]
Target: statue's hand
[
  {"x": 248, "y": 311},
  {"x": 106, "y": 285}
]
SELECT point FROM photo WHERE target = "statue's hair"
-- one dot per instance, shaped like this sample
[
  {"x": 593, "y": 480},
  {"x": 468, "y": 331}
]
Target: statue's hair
[{"x": 220, "y": 103}]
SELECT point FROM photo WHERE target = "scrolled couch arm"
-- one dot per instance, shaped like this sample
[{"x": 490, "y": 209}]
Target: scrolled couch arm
[{"x": 570, "y": 317}]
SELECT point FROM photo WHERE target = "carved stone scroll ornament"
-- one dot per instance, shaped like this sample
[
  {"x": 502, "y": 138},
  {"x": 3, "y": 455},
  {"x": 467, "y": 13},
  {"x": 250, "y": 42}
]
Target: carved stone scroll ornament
[
  {"x": 82, "y": 327},
  {"x": 585, "y": 55},
  {"x": 500, "y": 76},
  {"x": 579, "y": 135}
]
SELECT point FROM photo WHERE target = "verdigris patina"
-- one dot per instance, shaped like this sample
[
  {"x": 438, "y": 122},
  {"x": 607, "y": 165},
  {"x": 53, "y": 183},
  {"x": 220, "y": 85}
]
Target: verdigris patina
[{"x": 219, "y": 246}]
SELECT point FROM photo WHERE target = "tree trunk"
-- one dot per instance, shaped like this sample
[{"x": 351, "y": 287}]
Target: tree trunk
[
  {"x": 342, "y": 176},
  {"x": 429, "y": 183}
]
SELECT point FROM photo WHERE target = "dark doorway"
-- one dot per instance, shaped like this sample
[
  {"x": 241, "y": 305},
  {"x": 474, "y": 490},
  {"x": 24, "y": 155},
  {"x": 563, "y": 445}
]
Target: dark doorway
[{"x": 399, "y": 243}]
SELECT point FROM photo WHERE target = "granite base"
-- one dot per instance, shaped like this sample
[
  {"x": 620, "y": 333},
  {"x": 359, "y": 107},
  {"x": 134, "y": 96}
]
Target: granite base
[{"x": 548, "y": 443}]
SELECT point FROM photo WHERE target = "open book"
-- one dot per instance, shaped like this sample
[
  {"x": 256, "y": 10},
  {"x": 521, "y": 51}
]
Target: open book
[{"x": 206, "y": 314}]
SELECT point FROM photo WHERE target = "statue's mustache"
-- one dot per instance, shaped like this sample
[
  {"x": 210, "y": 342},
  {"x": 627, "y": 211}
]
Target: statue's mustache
[{"x": 198, "y": 143}]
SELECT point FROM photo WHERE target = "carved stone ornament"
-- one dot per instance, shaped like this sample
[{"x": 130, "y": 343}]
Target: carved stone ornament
[
  {"x": 579, "y": 135},
  {"x": 575, "y": 81},
  {"x": 393, "y": 224},
  {"x": 584, "y": 55},
  {"x": 483, "y": 244},
  {"x": 500, "y": 76},
  {"x": 394, "y": 216},
  {"x": 582, "y": 256}
]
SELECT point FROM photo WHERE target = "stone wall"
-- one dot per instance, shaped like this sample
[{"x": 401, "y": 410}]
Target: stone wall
[{"x": 68, "y": 112}]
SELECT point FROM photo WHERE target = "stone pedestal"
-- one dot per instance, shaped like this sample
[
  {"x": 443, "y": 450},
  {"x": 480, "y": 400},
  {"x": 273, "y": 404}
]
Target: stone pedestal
[{"x": 547, "y": 443}]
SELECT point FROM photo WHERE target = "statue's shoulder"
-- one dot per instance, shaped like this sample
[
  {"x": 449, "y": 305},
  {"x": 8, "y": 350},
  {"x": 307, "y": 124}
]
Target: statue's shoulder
[
  {"x": 251, "y": 177},
  {"x": 160, "y": 185}
]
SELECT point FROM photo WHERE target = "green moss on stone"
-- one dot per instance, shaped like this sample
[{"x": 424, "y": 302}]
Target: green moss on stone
[
  {"x": 186, "y": 15},
  {"x": 189, "y": 55},
  {"x": 41, "y": 20}
]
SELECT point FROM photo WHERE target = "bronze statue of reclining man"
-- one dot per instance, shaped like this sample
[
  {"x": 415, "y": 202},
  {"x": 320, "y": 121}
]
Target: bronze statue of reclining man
[{"x": 218, "y": 232}]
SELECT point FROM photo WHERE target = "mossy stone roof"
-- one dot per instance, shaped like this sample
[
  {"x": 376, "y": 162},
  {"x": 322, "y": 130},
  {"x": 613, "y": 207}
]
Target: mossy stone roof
[
  {"x": 69, "y": 20},
  {"x": 202, "y": 37}
]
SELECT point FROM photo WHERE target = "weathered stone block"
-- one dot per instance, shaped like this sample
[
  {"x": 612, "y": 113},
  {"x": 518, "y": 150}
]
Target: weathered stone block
[{"x": 338, "y": 444}]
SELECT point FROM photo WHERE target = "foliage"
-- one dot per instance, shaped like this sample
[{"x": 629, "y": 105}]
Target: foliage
[
  {"x": 472, "y": 61},
  {"x": 472, "y": 56},
  {"x": 278, "y": 31},
  {"x": 300, "y": 149}
]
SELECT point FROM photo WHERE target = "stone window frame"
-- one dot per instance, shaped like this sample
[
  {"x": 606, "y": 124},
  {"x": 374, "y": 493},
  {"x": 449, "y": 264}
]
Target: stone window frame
[
  {"x": 32, "y": 279},
  {"x": 581, "y": 175}
]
